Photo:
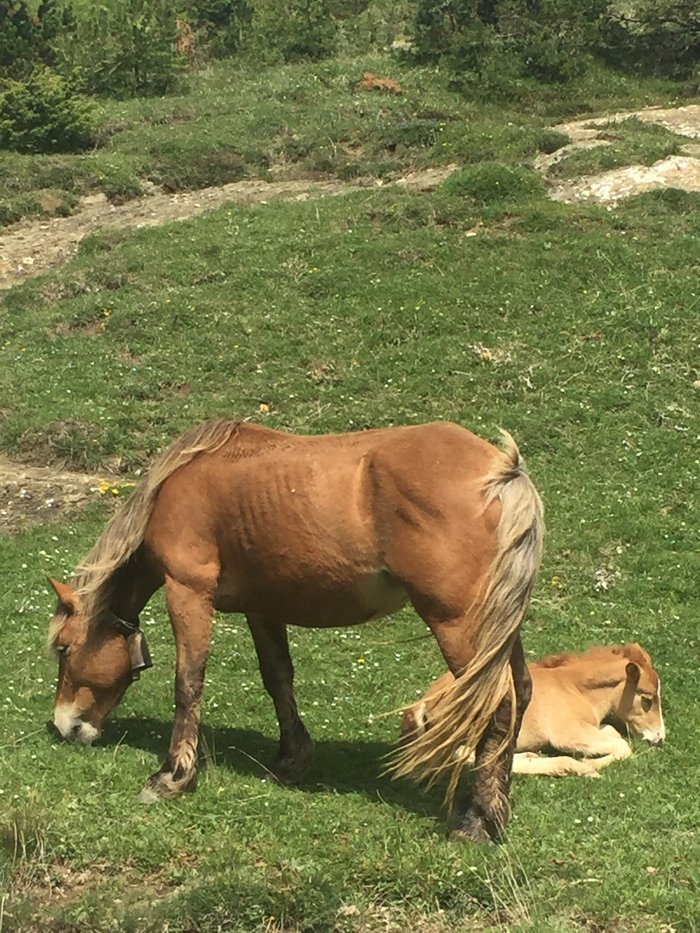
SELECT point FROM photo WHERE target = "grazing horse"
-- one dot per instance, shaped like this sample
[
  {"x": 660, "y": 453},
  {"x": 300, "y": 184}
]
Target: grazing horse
[
  {"x": 572, "y": 695},
  {"x": 316, "y": 531}
]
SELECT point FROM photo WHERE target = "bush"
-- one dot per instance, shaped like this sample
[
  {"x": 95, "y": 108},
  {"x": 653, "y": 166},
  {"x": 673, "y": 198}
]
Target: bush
[
  {"x": 491, "y": 44},
  {"x": 294, "y": 31},
  {"x": 224, "y": 23},
  {"x": 121, "y": 48},
  {"x": 22, "y": 41},
  {"x": 42, "y": 114}
]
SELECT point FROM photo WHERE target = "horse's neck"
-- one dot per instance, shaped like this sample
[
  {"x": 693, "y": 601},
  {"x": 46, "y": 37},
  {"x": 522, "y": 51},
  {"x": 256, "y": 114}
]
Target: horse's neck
[
  {"x": 132, "y": 587},
  {"x": 603, "y": 688}
]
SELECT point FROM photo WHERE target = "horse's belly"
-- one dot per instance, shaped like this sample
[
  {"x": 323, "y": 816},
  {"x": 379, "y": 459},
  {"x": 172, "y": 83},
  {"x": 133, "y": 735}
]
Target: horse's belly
[{"x": 316, "y": 603}]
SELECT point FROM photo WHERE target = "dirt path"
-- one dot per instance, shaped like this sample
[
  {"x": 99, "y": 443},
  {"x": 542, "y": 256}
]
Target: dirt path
[
  {"x": 29, "y": 494},
  {"x": 31, "y": 247}
]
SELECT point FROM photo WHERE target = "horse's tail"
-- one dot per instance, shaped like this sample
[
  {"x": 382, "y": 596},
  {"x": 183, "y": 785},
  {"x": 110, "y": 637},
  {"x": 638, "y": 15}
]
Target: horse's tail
[
  {"x": 123, "y": 535},
  {"x": 468, "y": 705}
]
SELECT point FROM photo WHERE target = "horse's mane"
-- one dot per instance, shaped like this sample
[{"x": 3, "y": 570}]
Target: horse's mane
[
  {"x": 631, "y": 651},
  {"x": 95, "y": 575}
]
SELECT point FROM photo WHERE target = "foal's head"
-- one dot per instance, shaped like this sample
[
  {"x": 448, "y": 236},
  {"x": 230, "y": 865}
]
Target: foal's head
[
  {"x": 639, "y": 708},
  {"x": 95, "y": 667}
]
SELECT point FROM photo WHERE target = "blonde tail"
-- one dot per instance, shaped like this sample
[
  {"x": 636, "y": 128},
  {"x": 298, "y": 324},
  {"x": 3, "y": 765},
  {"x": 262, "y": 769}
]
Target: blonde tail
[{"x": 468, "y": 705}]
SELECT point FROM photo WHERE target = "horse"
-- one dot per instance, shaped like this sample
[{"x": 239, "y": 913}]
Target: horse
[
  {"x": 316, "y": 531},
  {"x": 572, "y": 696}
]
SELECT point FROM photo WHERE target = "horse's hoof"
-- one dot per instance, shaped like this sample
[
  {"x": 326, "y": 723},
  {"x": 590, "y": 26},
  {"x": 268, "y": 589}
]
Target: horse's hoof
[
  {"x": 478, "y": 836},
  {"x": 148, "y": 795},
  {"x": 292, "y": 770},
  {"x": 164, "y": 786},
  {"x": 288, "y": 773},
  {"x": 473, "y": 827}
]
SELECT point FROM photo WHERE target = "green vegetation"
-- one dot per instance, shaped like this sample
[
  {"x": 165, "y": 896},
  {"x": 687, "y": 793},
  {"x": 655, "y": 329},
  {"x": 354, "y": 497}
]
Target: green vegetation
[
  {"x": 42, "y": 115},
  {"x": 300, "y": 120},
  {"x": 575, "y": 327},
  {"x": 572, "y": 326}
]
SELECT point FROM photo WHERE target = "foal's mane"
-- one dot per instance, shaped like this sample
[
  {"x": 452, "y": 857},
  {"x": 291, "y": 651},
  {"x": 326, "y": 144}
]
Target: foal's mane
[
  {"x": 630, "y": 651},
  {"x": 95, "y": 576}
]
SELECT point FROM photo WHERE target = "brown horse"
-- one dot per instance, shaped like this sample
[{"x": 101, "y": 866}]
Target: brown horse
[
  {"x": 316, "y": 531},
  {"x": 572, "y": 697}
]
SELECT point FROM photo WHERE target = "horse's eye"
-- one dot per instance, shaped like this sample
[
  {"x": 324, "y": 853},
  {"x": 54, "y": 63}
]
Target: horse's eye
[
  {"x": 63, "y": 650},
  {"x": 646, "y": 703}
]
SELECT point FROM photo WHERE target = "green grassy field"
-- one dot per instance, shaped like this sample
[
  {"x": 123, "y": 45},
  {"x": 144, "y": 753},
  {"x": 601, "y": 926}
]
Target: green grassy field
[
  {"x": 576, "y": 328},
  {"x": 234, "y": 122}
]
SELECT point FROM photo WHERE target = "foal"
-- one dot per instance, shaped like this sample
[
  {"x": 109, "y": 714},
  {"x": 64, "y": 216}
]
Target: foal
[{"x": 572, "y": 695}]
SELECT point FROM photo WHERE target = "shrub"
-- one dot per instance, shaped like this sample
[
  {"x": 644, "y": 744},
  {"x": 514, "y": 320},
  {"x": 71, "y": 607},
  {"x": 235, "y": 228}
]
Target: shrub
[
  {"x": 121, "y": 48},
  {"x": 657, "y": 36},
  {"x": 490, "y": 44},
  {"x": 294, "y": 31},
  {"x": 22, "y": 41},
  {"x": 224, "y": 23},
  {"x": 42, "y": 114}
]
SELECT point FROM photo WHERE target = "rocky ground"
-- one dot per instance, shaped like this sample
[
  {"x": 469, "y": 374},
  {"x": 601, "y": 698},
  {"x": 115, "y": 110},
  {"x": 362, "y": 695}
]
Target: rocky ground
[{"x": 679, "y": 171}]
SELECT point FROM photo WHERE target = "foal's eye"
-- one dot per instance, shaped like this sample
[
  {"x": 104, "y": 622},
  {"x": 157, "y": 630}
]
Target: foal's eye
[
  {"x": 646, "y": 704},
  {"x": 63, "y": 650}
]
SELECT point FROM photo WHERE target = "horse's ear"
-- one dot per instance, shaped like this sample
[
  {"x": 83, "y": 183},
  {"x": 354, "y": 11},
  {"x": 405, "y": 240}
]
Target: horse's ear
[
  {"x": 633, "y": 672},
  {"x": 67, "y": 595}
]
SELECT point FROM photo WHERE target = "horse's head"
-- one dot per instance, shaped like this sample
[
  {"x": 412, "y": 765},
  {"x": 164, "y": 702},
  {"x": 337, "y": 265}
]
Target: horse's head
[
  {"x": 640, "y": 704},
  {"x": 96, "y": 663}
]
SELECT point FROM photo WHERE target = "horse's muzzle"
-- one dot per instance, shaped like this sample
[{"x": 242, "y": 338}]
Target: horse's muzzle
[{"x": 74, "y": 729}]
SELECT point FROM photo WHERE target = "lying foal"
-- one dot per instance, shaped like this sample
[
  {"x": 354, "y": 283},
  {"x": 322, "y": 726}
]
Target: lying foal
[{"x": 572, "y": 694}]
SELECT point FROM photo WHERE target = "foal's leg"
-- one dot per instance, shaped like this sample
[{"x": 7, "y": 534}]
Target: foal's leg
[
  {"x": 296, "y": 748},
  {"x": 190, "y": 614},
  {"x": 555, "y": 765},
  {"x": 592, "y": 741}
]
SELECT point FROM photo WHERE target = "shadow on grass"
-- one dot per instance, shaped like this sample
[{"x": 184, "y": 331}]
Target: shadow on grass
[{"x": 339, "y": 766}]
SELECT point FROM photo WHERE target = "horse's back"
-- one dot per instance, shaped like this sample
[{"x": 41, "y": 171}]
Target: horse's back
[{"x": 282, "y": 519}]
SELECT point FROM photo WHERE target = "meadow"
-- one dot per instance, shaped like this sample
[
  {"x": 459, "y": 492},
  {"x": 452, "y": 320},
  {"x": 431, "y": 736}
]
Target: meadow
[{"x": 574, "y": 327}]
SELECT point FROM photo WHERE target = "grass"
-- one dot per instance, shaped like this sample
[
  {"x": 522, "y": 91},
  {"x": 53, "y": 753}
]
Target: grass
[
  {"x": 302, "y": 119},
  {"x": 572, "y": 326}
]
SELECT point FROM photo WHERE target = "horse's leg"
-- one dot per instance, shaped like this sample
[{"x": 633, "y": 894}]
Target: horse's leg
[
  {"x": 296, "y": 747},
  {"x": 522, "y": 681},
  {"x": 490, "y": 808},
  {"x": 190, "y": 614}
]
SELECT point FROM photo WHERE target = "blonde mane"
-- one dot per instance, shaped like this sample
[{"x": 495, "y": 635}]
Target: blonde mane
[{"x": 95, "y": 575}]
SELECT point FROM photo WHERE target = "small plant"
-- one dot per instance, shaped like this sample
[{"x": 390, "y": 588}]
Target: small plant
[
  {"x": 491, "y": 182},
  {"x": 42, "y": 114}
]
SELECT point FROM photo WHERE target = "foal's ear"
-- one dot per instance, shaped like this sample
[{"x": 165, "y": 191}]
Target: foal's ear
[
  {"x": 67, "y": 595},
  {"x": 633, "y": 672}
]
